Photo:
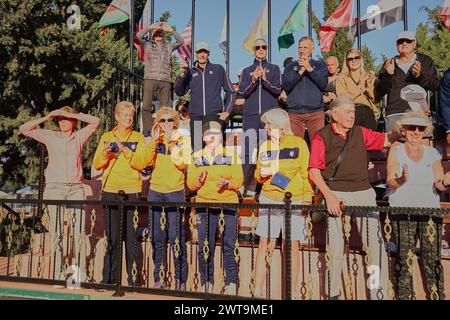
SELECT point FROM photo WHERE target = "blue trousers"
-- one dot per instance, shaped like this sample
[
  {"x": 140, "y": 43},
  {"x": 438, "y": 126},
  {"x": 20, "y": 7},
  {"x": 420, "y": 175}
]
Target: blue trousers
[
  {"x": 174, "y": 228},
  {"x": 207, "y": 225}
]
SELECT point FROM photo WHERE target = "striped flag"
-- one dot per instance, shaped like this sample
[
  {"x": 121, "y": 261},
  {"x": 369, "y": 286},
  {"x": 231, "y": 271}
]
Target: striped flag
[
  {"x": 380, "y": 15},
  {"x": 144, "y": 22},
  {"x": 445, "y": 14},
  {"x": 339, "y": 19},
  {"x": 117, "y": 12},
  {"x": 185, "y": 50}
]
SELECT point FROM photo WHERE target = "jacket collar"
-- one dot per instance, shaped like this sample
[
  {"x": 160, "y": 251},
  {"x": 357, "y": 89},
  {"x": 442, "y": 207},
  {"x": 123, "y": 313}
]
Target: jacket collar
[
  {"x": 263, "y": 62},
  {"x": 197, "y": 67}
]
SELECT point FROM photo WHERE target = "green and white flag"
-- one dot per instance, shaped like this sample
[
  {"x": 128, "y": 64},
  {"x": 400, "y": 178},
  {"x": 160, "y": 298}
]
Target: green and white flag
[
  {"x": 117, "y": 12},
  {"x": 294, "y": 23}
]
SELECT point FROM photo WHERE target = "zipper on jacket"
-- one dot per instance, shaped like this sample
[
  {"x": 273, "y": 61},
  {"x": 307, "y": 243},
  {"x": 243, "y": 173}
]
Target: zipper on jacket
[
  {"x": 260, "y": 83},
  {"x": 203, "y": 86}
]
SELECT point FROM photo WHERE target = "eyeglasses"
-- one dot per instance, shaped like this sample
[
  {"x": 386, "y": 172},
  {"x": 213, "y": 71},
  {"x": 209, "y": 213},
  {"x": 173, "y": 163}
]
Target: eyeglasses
[
  {"x": 414, "y": 128},
  {"x": 402, "y": 41},
  {"x": 350, "y": 59},
  {"x": 166, "y": 120},
  {"x": 260, "y": 47}
]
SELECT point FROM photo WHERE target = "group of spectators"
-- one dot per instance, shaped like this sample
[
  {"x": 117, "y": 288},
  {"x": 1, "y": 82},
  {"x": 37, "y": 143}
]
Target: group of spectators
[{"x": 333, "y": 164}]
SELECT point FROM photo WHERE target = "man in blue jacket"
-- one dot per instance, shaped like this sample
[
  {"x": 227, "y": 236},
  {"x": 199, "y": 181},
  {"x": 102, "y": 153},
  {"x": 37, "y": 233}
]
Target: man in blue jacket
[
  {"x": 260, "y": 86},
  {"x": 444, "y": 95},
  {"x": 205, "y": 81},
  {"x": 304, "y": 81}
]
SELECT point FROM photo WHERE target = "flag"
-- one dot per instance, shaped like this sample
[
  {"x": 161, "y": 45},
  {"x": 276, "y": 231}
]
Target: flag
[
  {"x": 117, "y": 12},
  {"x": 259, "y": 29},
  {"x": 384, "y": 13},
  {"x": 185, "y": 50},
  {"x": 339, "y": 19},
  {"x": 295, "y": 22},
  {"x": 223, "y": 37},
  {"x": 445, "y": 14},
  {"x": 144, "y": 22}
]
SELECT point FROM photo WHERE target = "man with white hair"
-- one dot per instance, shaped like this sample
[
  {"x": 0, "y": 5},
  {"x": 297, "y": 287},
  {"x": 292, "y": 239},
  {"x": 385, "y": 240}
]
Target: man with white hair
[
  {"x": 408, "y": 68},
  {"x": 338, "y": 167}
]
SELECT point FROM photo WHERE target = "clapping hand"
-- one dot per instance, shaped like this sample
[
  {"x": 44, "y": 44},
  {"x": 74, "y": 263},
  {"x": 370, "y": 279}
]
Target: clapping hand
[
  {"x": 416, "y": 68},
  {"x": 389, "y": 66}
]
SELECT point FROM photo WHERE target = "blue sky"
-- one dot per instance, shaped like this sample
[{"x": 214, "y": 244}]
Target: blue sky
[{"x": 210, "y": 16}]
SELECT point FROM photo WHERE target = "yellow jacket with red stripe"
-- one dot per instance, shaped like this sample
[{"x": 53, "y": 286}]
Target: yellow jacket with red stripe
[
  {"x": 118, "y": 173},
  {"x": 221, "y": 163},
  {"x": 169, "y": 159},
  {"x": 290, "y": 158}
]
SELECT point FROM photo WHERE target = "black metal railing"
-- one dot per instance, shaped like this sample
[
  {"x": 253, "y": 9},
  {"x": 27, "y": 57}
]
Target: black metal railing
[{"x": 70, "y": 252}]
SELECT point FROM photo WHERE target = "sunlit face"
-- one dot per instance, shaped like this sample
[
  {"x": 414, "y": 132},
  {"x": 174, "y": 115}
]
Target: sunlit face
[
  {"x": 65, "y": 124},
  {"x": 405, "y": 46},
  {"x": 353, "y": 61},
  {"x": 260, "y": 49},
  {"x": 212, "y": 138},
  {"x": 332, "y": 66},
  {"x": 124, "y": 118},
  {"x": 413, "y": 134},
  {"x": 167, "y": 123},
  {"x": 202, "y": 56},
  {"x": 344, "y": 116},
  {"x": 272, "y": 131},
  {"x": 305, "y": 48}
]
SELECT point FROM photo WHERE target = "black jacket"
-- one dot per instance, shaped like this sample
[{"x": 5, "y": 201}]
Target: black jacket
[{"x": 393, "y": 84}]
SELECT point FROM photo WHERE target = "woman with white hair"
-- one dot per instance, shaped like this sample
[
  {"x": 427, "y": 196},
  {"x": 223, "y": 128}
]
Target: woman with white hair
[
  {"x": 415, "y": 173},
  {"x": 282, "y": 167}
]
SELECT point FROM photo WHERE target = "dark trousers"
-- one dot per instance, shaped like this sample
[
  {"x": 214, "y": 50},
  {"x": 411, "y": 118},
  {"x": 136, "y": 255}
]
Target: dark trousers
[
  {"x": 312, "y": 122},
  {"x": 196, "y": 124},
  {"x": 365, "y": 117},
  {"x": 133, "y": 253},
  {"x": 407, "y": 233},
  {"x": 173, "y": 228},
  {"x": 150, "y": 87},
  {"x": 251, "y": 140},
  {"x": 206, "y": 267}
]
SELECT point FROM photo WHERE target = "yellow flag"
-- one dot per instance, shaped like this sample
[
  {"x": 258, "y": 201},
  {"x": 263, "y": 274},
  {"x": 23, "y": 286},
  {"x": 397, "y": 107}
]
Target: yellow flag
[{"x": 259, "y": 29}]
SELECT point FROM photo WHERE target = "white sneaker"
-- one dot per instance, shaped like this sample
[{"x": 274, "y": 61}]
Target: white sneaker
[{"x": 231, "y": 289}]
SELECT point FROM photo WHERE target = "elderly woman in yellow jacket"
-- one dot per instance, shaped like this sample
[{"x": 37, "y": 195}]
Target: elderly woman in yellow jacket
[
  {"x": 216, "y": 175},
  {"x": 113, "y": 155},
  {"x": 282, "y": 167},
  {"x": 168, "y": 153}
]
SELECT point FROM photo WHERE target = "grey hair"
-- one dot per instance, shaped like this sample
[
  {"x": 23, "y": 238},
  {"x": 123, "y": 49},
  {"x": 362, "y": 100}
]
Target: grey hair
[
  {"x": 340, "y": 101},
  {"x": 306, "y": 38}
]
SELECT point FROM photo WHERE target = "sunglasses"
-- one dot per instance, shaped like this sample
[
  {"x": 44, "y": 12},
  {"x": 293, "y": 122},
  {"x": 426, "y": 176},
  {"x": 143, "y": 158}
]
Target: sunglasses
[
  {"x": 166, "y": 120},
  {"x": 402, "y": 41},
  {"x": 414, "y": 128},
  {"x": 350, "y": 59},
  {"x": 260, "y": 47}
]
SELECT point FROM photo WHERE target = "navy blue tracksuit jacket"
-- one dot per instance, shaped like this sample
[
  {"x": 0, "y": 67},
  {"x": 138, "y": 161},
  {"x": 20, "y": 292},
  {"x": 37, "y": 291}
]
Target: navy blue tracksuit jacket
[{"x": 206, "y": 89}]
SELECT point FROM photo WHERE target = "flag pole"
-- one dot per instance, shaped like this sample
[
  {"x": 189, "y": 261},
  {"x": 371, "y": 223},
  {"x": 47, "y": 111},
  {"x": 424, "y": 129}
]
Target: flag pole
[
  {"x": 310, "y": 18},
  {"x": 269, "y": 27},
  {"x": 358, "y": 22},
  {"x": 192, "y": 33},
  {"x": 152, "y": 12},
  {"x": 227, "y": 58},
  {"x": 405, "y": 15},
  {"x": 131, "y": 35}
]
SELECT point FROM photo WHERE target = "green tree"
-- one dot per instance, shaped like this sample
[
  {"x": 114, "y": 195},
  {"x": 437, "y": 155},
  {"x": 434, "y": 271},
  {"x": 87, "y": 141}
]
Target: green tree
[
  {"x": 341, "y": 41},
  {"x": 433, "y": 39}
]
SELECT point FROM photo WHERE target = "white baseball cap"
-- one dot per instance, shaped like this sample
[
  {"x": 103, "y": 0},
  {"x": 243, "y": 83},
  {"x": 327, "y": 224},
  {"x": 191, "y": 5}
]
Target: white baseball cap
[
  {"x": 406, "y": 35},
  {"x": 202, "y": 46}
]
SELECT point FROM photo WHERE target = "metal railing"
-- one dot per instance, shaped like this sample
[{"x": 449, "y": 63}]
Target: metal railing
[{"x": 71, "y": 253}]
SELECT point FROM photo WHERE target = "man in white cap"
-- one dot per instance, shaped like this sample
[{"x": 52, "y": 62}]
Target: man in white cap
[
  {"x": 157, "y": 68},
  {"x": 405, "y": 69},
  {"x": 205, "y": 82}
]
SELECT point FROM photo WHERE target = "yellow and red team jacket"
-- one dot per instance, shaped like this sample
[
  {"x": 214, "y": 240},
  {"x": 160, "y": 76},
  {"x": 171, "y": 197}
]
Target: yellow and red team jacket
[
  {"x": 290, "y": 158},
  {"x": 169, "y": 159},
  {"x": 118, "y": 173},
  {"x": 222, "y": 163}
]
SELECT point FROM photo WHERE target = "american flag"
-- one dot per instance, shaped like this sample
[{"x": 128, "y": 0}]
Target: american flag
[
  {"x": 144, "y": 22},
  {"x": 185, "y": 50}
]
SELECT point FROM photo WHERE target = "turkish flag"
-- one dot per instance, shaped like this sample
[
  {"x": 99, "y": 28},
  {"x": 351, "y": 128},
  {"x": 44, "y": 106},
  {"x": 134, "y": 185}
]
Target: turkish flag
[{"x": 339, "y": 19}]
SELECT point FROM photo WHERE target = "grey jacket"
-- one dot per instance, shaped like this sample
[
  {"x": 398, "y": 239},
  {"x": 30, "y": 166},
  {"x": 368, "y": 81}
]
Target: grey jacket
[{"x": 157, "y": 60}]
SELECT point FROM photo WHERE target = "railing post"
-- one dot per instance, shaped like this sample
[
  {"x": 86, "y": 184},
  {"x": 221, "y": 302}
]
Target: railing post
[
  {"x": 287, "y": 247},
  {"x": 119, "y": 292}
]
